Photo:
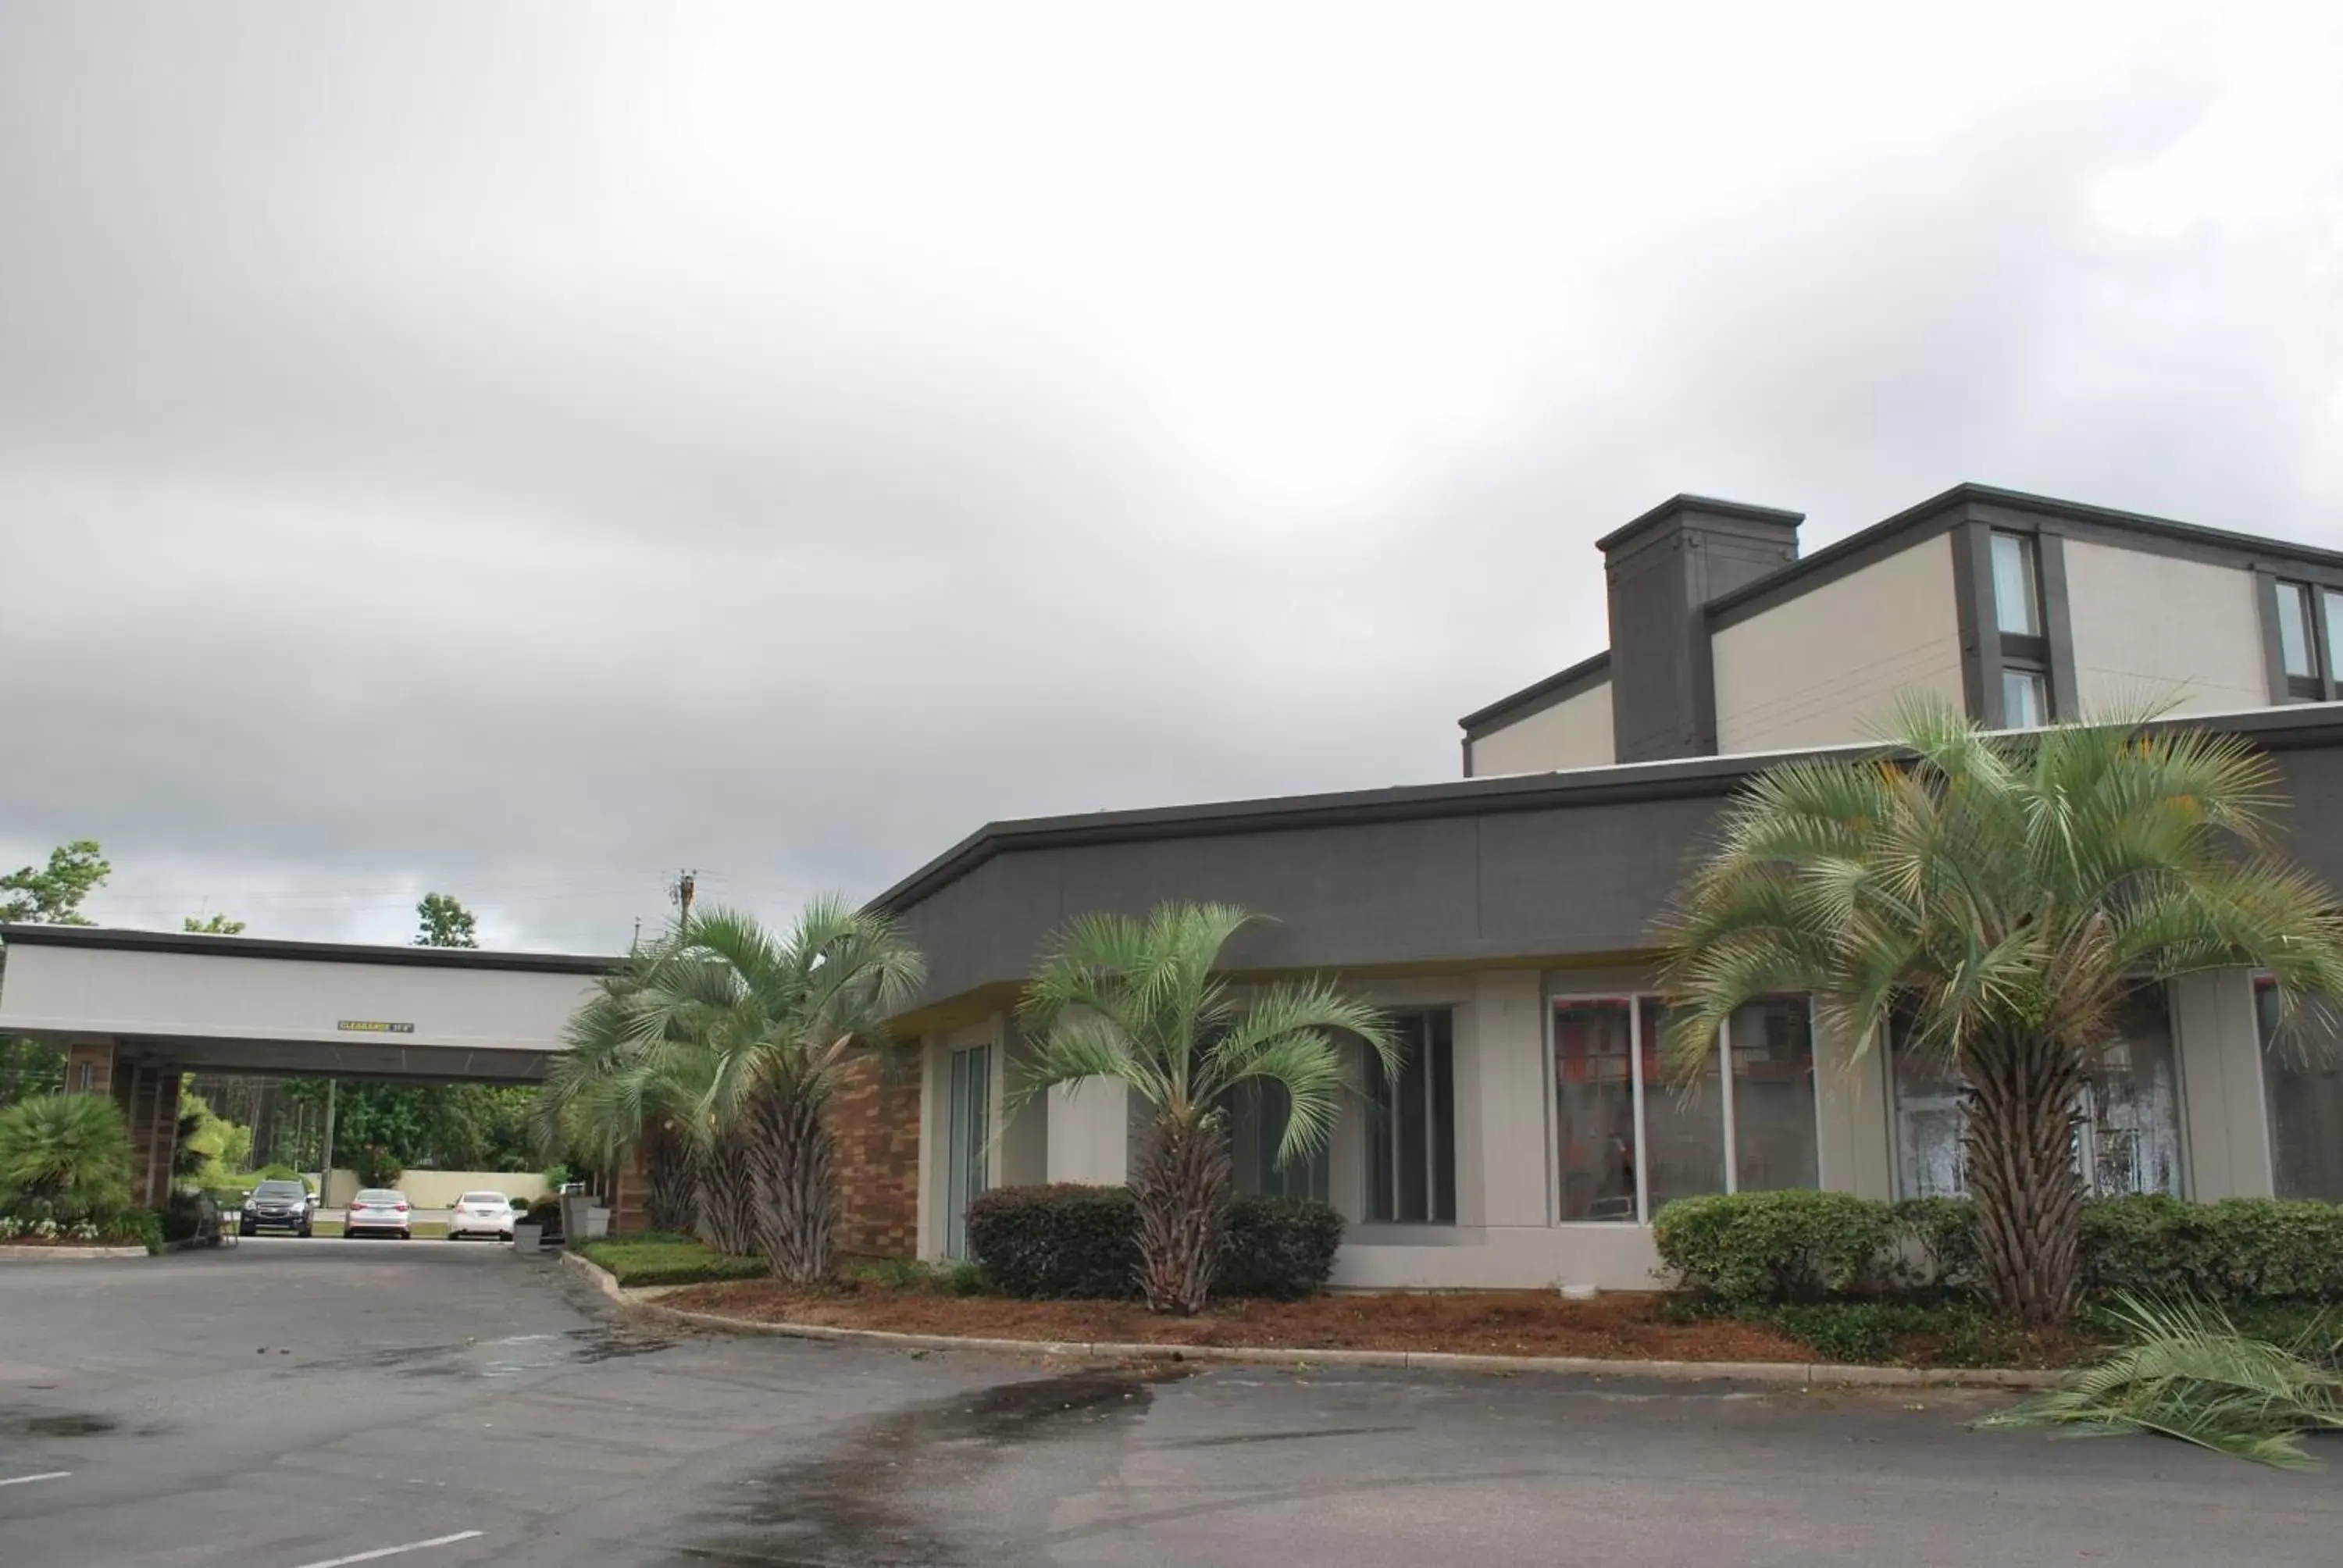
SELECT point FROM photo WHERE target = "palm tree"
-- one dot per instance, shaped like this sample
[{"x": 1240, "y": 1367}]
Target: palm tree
[
  {"x": 734, "y": 1038},
  {"x": 68, "y": 1150},
  {"x": 1996, "y": 899},
  {"x": 630, "y": 1085},
  {"x": 1143, "y": 1005}
]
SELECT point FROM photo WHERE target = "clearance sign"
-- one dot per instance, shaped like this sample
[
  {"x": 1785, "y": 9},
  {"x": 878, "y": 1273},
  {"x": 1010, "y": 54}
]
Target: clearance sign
[{"x": 373, "y": 1026}]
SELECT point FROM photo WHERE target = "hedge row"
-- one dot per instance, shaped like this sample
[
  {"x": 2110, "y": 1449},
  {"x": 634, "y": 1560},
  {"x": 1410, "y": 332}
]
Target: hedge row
[
  {"x": 1754, "y": 1248},
  {"x": 1066, "y": 1241}
]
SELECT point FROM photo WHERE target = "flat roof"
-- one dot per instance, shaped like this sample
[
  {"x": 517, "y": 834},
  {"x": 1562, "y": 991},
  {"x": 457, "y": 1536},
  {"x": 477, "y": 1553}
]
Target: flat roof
[
  {"x": 124, "y": 939},
  {"x": 2277, "y": 728}
]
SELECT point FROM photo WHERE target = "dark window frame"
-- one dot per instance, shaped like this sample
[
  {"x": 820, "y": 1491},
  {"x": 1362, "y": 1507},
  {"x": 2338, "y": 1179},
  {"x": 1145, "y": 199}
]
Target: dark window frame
[
  {"x": 1987, "y": 650},
  {"x": 2321, "y": 684},
  {"x": 1428, "y": 1041}
]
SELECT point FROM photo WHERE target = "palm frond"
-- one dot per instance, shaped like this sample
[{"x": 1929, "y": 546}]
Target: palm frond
[{"x": 2189, "y": 1374}]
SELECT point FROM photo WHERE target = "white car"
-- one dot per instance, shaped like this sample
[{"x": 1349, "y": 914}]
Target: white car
[
  {"x": 487, "y": 1214},
  {"x": 379, "y": 1211}
]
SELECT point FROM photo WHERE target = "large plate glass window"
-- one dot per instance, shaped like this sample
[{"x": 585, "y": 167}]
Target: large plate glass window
[
  {"x": 1628, "y": 1138},
  {"x": 2302, "y": 1090},
  {"x": 2128, "y": 1117},
  {"x": 967, "y": 1132},
  {"x": 2018, "y": 619},
  {"x": 1411, "y": 1134}
]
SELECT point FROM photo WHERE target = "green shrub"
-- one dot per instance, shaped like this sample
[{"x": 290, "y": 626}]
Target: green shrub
[
  {"x": 1057, "y": 1241},
  {"x": 1952, "y": 1333},
  {"x": 669, "y": 1261},
  {"x": 70, "y": 1150},
  {"x": 136, "y": 1228},
  {"x": 2238, "y": 1249},
  {"x": 1070, "y": 1241},
  {"x": 1281, "y": 1248},
  {"x": 1793, "y": 1246},
  {"x": 375, "y": 1166},
  {"x": 279, "y": 1172},
  {"x": 1944, "y": 1230}
]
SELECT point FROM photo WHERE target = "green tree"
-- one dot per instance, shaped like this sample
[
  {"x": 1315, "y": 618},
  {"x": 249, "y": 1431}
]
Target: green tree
[
  {"x": 760, "y": 1026},
  {"x": 1146, "y": 1005},
  {"x": 634, "y": 1078},
  {"x": 1996, "y": 899},
  {"x": 70, "y": 1150},
  {"x": 442, "y": 922},
  {"x": 212, "y": 925},
  {"x": 52, "y": 895},
  {"x": 46, "y": 895}
]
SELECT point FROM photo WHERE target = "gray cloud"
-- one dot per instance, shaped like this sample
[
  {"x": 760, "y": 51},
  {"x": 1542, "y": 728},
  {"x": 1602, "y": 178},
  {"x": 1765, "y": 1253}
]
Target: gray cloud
[{"x": 450, "y": 455}]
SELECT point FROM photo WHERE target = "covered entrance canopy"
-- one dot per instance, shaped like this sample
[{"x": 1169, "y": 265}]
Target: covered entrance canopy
[{"x": 133, "y": 1010}]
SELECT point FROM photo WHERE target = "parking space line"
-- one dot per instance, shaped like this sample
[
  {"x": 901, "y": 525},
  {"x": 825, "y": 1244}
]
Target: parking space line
[
  {"x": 44, "y": 1475},
  {"x": 394, "y": 1551}
]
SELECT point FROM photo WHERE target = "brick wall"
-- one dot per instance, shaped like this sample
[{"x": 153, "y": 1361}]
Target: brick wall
[{"x": 875, "y": 1118}]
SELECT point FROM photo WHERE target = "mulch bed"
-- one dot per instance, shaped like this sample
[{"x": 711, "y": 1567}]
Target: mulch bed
[{"x": 1628, "y": 1326}]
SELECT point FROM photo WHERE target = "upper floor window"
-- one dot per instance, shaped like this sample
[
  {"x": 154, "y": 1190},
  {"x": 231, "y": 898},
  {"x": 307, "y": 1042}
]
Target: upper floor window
[
  {"x": 2310, "y": 631},
  {"x": 2016, "y": 585},
  {"x": 2018, "y": 617}
]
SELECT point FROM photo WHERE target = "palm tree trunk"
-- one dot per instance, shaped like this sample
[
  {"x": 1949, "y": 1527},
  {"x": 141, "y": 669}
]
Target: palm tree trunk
[
  {"x": 2021, "y": 1161},
  {"x": 728, "y": 1192},
  {"x": 1182, "y": 1196},
  {"x": 670, "y": 1184},
  {"x": 797, "y": 1192}
]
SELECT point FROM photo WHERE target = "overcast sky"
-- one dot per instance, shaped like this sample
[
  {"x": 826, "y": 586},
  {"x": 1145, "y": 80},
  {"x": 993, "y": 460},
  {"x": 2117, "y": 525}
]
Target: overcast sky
[{"x": 521, "y": 450}]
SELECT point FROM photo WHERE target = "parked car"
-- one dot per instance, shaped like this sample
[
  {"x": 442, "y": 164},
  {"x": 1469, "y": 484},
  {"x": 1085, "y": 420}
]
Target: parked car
[
  {"x": 379, "y": 1211},
  {"x": 481, "y": 1214},
  {"x": 276, "y": 1206}
]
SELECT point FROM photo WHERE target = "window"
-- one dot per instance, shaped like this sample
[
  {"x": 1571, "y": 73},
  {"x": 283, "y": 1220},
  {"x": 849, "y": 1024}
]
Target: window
[
  {"x": 2126, "y": 1119},
  {"x": 2024, "y": 699},
  {"x": 1412, "y": 1138},
  {"x": 1595, "y": 1108},
  {"x": 1771, "y": 1044},
  {"x": 2310, "y": 631},
  {"x": 2302, "y": 1090},
  {"x": 2016, "y": 590},
  {"x": 1628, "y": 1138},
  {"x": 2018, "y": 621},
  {"x": 1684, "y": 1127},
  {"x": 966, "y": 1136}
]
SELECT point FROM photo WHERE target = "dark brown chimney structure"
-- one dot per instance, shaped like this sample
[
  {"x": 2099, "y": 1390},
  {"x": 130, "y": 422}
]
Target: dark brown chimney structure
[{"x": 1663, "y": 569}]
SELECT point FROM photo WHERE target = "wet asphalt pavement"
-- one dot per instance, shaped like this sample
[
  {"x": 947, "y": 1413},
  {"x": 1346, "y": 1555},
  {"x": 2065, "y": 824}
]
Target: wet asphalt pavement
[{"x": 291, "y": 1404}]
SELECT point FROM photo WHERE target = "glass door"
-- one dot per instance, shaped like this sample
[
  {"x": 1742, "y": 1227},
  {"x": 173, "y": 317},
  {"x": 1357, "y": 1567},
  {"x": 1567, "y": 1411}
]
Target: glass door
[{"x": 966, "y": 1133}]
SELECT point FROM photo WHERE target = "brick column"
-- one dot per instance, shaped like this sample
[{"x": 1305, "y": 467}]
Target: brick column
[
  {"x": 138, "y": 1112},
  {"x": 89, "y": 1067},
  {"x": 629, "y": 1193},
  {"x": 163, "y": 1144},
  {"x": 874, "y": 1116}
]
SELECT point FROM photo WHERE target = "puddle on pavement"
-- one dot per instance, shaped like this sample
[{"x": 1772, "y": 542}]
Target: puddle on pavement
[
  {"x": 867, "y": 1502},
  {"x": 71, "y": 1424}
]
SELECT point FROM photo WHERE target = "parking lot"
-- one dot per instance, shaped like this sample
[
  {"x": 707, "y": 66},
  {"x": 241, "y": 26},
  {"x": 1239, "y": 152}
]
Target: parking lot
[{"x": 290, "y": 1404}]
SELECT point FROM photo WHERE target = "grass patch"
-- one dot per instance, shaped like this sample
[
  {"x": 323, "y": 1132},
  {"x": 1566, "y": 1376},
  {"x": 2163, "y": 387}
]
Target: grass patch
[{"x": 658, "y": 1260}]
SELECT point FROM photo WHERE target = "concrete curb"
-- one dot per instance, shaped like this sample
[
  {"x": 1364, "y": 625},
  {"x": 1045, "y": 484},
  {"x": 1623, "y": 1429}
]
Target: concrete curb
[
  {"x": 1799, "y": 1374},
  {"x": 11, "y": 1253}
]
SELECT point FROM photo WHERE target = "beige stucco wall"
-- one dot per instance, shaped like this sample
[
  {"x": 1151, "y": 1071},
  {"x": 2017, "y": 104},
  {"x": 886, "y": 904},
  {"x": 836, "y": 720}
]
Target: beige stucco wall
[
  {"x": 440, "y": 1189},
  {"x": 2150, "y": 628},
  {"x": 1089, "y": 1135},
  {"x": 112, "y": 992},
  {"x": 1825, "y": 666},
  {"x": 1575, "y": 733}
]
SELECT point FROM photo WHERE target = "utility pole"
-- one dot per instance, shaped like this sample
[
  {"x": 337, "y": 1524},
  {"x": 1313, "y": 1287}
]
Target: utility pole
[{"x": 679, "y": 893}]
